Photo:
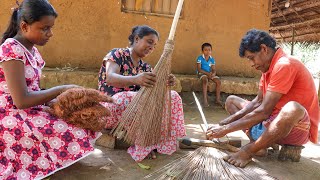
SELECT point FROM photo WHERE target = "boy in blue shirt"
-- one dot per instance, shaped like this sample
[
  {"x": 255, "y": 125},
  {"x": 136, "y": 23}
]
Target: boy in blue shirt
[{"x": 206, "y": 71}]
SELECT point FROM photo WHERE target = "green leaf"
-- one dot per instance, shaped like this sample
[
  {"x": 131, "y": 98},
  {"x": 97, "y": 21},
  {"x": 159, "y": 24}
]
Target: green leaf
[{"x": 144, "y": 166}]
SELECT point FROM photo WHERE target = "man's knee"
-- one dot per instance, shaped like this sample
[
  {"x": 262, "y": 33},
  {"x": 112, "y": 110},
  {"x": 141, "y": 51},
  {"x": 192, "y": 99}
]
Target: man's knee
[
  {"x": 231, "y": 100},
  {"x": 293, "y": 109},
  {"x": 290, "y": 114}
]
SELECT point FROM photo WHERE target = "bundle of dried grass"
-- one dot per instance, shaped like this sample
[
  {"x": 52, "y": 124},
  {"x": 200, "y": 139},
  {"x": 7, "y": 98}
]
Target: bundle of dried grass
[
  {"x": 81, "y": 107},
  {"x": 151, "y": 107},
  {"x": 207, "y": 163}
]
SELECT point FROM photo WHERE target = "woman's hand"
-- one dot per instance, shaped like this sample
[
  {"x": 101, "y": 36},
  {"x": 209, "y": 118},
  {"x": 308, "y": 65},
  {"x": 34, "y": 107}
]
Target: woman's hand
[
  {"x": 147, "y": 79},
  {"x": 171, "y": 80},
  {"x": 50, "y": 103},
  {"x": 216, "y": 132},
  {"x": 69, "y": 86}
]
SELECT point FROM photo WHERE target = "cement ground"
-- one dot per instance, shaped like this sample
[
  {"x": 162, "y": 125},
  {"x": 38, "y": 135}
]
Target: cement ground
[{"x": 116, "y": 164}]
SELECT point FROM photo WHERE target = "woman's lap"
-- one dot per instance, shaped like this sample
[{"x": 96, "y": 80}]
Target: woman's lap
[
  {"x": 167, "y": 146},
  {"x": 35, "y": 144}
]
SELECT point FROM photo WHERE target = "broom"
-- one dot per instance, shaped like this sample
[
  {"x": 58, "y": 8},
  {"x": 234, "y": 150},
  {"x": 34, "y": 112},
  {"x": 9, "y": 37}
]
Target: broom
[
  {"x": 150, "y": 110},
  {"x": 207, "y": 163}
]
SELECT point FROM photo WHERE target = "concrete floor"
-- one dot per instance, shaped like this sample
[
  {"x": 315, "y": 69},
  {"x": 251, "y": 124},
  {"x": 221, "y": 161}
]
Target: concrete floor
[{"x": 118, "y": 165}]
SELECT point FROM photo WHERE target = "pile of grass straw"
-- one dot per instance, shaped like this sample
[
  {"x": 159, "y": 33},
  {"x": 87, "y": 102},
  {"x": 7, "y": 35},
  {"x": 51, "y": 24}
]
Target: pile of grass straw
[{"x": 207, "y": 163}]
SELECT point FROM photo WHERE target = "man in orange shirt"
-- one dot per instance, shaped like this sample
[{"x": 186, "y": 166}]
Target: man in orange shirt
[{"x": 286, "y": 109}]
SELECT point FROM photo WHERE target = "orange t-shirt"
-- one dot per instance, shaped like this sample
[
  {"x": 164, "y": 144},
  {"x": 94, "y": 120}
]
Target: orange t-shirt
[{"x": 288, "y": 76}]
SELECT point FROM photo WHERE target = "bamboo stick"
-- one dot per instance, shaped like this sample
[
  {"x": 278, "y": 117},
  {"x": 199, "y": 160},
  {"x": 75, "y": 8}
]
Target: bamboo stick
[{"x": 175, "y": 20}]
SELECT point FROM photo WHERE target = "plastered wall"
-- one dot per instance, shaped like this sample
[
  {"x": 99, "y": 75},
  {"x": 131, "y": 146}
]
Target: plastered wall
[{"x": 86, "y": 30}]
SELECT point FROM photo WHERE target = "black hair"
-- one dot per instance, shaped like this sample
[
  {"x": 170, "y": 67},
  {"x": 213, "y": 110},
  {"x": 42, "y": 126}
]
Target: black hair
[
  {"x": 253, "y": 39},
  {"x": 141, "y": 31},
  {"x": 205, "y": 45},
  {"x": 29, "y": 11}
]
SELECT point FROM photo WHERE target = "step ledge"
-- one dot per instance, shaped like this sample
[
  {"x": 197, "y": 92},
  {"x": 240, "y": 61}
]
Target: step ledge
[{"x": 184, "y": 83}]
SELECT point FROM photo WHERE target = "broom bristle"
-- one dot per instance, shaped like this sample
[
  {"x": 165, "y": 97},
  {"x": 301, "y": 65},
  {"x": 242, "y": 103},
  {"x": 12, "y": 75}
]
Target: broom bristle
[
  {"x": 149, "y": 112},
  {"x": 207, "y": 163}
]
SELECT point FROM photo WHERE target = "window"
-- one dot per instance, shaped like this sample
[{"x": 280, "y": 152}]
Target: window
[{"x": 152, "y": 7}]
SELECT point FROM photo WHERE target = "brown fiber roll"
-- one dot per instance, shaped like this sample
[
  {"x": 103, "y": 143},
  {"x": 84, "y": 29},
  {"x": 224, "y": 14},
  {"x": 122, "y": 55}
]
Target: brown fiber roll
[{"x": 81, "y": 107}]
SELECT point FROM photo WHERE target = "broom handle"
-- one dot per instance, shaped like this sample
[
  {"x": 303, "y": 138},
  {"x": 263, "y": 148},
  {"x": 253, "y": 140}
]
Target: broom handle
[{"x": 175, "y": 20}]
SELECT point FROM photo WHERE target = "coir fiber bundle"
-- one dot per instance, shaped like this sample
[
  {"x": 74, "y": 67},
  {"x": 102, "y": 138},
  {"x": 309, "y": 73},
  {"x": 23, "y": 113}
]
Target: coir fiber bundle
[
  {"x": 207, "y": 163},
  {"x": 81, "y": 107}
]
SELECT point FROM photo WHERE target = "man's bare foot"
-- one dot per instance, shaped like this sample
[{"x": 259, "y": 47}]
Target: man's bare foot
[
  {"x": 240, "y": 158},
  {"x": 152, "y": 155},
  {"x": 262, "y": 153},
  {"x": 275, "y": 147}
]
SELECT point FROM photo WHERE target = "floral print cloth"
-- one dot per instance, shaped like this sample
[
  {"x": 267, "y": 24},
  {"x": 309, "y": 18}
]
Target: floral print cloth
[
  {"x": 123, "y": 97},
  {"x": 33, "y": 143},
  {"x": 122, "y": 57}
]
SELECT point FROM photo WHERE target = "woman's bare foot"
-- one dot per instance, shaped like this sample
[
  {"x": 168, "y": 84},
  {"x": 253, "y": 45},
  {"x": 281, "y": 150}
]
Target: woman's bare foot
[
  {"x": 240, "y": 158},
  {"x": 152, "y": 155}
]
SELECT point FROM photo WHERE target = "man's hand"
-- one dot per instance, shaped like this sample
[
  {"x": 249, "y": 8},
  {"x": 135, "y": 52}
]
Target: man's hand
[
  {"x": 216, "y": 132},
  {"x": 147, "y": 79},
  {"x": 226, "y": 121},
  {"x": 171, "y": 80}
]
